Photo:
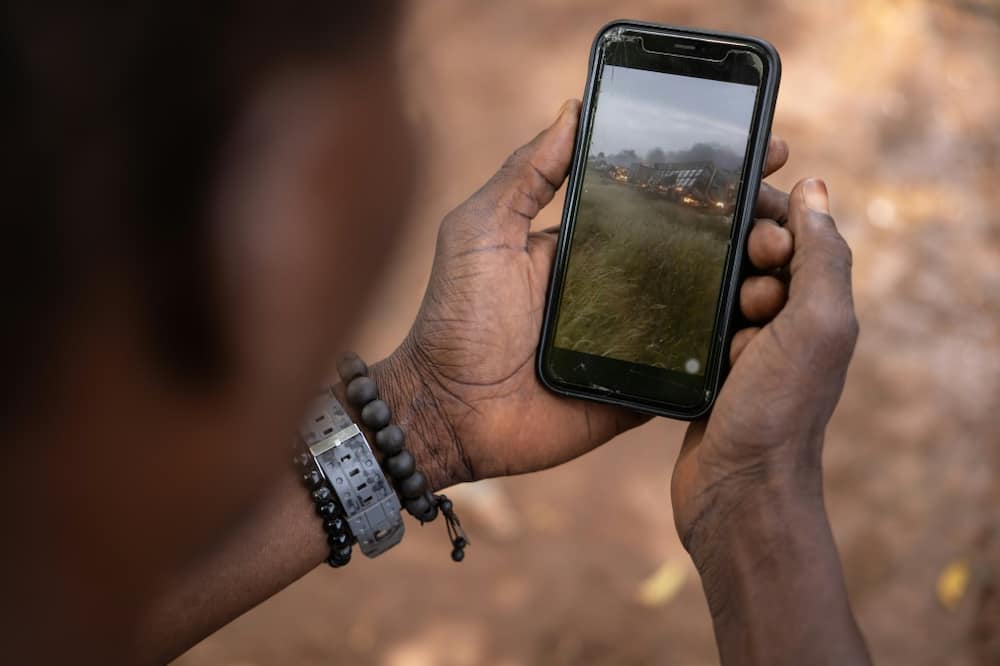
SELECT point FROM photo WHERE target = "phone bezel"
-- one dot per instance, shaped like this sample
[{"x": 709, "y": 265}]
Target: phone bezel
[{"x": 702, "y": 41}]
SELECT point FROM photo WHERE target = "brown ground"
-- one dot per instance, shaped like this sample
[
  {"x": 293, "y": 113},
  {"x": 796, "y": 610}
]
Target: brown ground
[{"x": 896, "y": 105}]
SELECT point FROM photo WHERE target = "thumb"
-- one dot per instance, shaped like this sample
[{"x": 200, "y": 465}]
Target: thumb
[
  {"x": 544, "y": 162},
  {"x": 820, "y": 310},
  {"x": 821, "y": 258},
  {"x": 525, "y": 183}
]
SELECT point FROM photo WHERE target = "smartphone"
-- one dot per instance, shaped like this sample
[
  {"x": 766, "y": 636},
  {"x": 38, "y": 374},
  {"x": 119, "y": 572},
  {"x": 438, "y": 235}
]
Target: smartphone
[{"x": 666, "y": 169}]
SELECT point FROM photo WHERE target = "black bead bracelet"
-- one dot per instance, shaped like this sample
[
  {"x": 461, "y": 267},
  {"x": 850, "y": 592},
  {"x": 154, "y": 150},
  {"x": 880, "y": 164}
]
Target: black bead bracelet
[
  {"x": 338, "y": 532},
  {"x": 398, "y": 463}
]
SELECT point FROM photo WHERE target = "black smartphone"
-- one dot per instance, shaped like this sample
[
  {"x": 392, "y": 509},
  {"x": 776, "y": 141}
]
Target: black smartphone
[{"x": 667, "y": 165}]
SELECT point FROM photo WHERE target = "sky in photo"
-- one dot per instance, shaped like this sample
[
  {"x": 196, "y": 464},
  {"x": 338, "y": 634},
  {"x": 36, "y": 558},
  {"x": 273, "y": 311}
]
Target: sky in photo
[{"x": 642, "y": 110}]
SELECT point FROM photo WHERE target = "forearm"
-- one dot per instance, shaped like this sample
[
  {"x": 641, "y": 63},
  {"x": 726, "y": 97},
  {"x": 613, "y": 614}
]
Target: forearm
[
  {"x": 278, "y": 543},
  {"x": 775, "y": 585}
]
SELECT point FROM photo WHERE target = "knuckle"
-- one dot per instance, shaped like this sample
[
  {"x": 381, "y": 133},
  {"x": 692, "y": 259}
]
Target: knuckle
[
  {"x": 853, "y": 327},
  {"x": 831, "y": 253},
  {"x": 453, "y": 219},
  {"x": 832, "y": 324},
  {"x": 838, "y": 246},
  {"x": 516, "y": 168},
  {"x": 520, "y": 201},
  {"x": 819, "y": 223},
  {"x": 826, "y": 228},
  {"x": 839, "y": 258},
  {"x": 516, "y": 160},
  {"x": 846, "y": 251},
  {"x": 523, "y": 172}
]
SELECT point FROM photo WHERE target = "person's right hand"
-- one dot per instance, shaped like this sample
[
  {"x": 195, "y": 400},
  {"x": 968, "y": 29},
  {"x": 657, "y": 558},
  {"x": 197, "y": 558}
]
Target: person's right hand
[
  {"x": 762, "y": 444},
  {"x": 747, "y": 488}
]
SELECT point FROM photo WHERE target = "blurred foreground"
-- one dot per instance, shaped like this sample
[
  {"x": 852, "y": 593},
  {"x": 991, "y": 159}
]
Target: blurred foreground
[{"x": 895, "y": 105}]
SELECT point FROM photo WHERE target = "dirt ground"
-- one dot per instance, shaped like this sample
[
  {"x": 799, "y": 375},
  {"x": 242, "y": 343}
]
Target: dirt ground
[{"x": 896, "y": 105}]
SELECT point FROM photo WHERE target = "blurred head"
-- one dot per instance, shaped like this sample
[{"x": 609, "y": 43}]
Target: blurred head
[{"x": 197, "y": 200}]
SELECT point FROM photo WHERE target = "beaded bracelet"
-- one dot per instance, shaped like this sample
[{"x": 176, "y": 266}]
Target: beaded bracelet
[
  {"x": 399, "y": 464},
  {"x": 338, "y": 532}
]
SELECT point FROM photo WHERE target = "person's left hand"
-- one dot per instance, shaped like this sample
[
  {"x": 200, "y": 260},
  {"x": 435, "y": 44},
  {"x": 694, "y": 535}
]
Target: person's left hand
[{"x": 463, "y": 383}]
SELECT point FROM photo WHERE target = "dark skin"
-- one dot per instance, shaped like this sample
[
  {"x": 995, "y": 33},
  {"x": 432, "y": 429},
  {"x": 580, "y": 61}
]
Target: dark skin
[
  {"x": 747, "y": 488},
  {"x": 144, "y": 508},
  {"x": 748, "y": 485}
]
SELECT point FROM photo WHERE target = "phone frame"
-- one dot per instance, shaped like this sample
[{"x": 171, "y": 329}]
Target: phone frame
[{"x": 760, "y": 130}]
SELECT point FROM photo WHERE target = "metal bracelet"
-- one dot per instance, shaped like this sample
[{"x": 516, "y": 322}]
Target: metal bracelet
[{"x": 345, "y": 458}]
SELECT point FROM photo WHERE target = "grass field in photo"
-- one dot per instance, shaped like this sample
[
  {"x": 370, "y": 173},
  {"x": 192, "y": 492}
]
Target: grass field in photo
[{"x": 643, "y": 277}]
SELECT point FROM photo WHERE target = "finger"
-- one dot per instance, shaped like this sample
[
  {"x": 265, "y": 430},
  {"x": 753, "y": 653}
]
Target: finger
[
  {"x": 762, "y": 297},
  {"x": 772, "y": 204},
  {"x": 740, "y": 342},
  {"x": 542, "y": 250},
  {"x": 530, "y": 177},
  {"x": 821, "y": 260},
  {"x": 777, "y": 155},
  {"x": 769, "y": 245}
]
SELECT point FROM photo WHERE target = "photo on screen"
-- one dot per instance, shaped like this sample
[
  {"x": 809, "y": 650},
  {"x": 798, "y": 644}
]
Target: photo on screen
[{"x": 654, "y": 218}]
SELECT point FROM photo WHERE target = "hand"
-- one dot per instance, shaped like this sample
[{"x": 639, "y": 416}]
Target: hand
[
  {"x": 465, "y": 376},
  {"x": 762, "y": 445},
  {"x": 747, "y": 487},
  {"x": 466, "y": 371}
]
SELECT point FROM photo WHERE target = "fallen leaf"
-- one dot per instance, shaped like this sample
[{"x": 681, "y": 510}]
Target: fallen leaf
[
  {"x": 952, "y": 584},
  {"x": 663, "y": 585}
]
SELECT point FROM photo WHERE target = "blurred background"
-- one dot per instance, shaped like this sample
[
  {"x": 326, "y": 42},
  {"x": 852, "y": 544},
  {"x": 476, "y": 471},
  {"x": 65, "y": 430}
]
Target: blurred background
[{"x": 896, "y": 106}]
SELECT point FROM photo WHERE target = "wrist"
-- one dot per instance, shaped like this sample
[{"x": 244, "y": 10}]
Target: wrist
[
  {"x": 718, "y": 495},
  {"x": 412, "y": 469},
  {"x": 772, "y": 578},
  {"x": 755, "y": 538},
  {"x": 429, "y": 436},
  {"x": 736, "y": 509}
]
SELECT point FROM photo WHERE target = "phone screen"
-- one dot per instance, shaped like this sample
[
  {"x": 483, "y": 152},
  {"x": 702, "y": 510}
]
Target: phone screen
[{"x": 665, "y": 161}]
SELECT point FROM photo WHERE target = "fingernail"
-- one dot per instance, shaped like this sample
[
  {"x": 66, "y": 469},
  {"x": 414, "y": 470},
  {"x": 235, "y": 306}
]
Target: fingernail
[{"x": 817, "y": 198}]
